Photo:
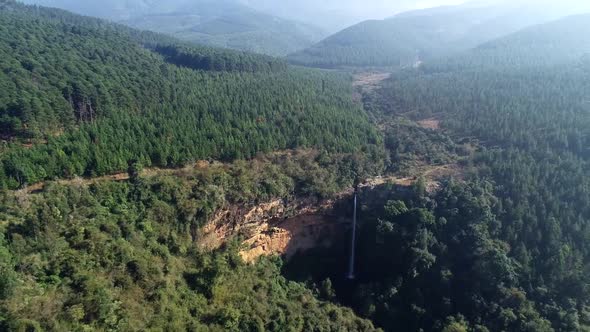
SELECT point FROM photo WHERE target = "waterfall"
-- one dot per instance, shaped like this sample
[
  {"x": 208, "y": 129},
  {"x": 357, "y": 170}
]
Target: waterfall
[{"x": 353, "y": 242}]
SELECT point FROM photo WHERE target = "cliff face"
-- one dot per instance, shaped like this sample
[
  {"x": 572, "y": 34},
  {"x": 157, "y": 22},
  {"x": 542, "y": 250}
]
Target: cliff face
[
  {"x": 282, "y": 227},
  {"x": 288, "y": 236},
  {"x": 277, "y": 227}
]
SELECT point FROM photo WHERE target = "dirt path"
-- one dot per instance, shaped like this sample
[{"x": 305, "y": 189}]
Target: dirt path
[
  {"x": 362, "y": 82},
  {"x": 82, "y": 181},
  {"x": 432, "y": 175},
  {"x": 38, "y": 187}
]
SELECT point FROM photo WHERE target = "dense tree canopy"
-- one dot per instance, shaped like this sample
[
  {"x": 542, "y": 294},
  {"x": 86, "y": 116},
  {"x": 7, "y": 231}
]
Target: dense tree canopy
[
  {"x": 502, "y": 246},
  {"x": 555, "y": 43},
  {"x": 127, "y": 256},
  {"x": 96, "y": 97},
  {"x": 532, "y": 124},
  {"x": 504, "y": 249}
]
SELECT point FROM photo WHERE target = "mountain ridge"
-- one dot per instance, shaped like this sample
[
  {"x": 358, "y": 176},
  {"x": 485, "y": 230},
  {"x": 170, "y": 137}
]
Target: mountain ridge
[
  {"x": 422, "y": 35},
  {"x": 200, "y": 22},
  {"x": 559, "y": 42}
]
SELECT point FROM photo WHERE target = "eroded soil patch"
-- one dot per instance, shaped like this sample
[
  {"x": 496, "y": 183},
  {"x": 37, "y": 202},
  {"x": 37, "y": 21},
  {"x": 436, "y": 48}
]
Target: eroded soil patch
[{"x": 430, "y": 123}]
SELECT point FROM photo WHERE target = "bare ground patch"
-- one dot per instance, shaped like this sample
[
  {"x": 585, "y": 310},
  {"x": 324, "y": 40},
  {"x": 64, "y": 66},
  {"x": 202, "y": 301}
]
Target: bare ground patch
[
  {"x": 432, "y": 174},
  {"x": 431, "y": 123},
  {"x": 369, "y": 81}
]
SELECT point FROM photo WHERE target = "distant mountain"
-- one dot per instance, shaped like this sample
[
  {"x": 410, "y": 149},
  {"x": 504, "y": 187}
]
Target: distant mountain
[
  {"x": 566, "y": 40},
  {"x": 330, "y": 15},
  {"x": 422, "y": 35},
  {"x": 222, "y": 23},
  {"x": 231, "y": 25},
  {"x": 335, "y": 15},
  {"x": 114, "y": 10}
]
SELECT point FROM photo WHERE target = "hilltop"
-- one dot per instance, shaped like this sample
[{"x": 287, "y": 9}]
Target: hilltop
[{"x": 419, "y": 36}]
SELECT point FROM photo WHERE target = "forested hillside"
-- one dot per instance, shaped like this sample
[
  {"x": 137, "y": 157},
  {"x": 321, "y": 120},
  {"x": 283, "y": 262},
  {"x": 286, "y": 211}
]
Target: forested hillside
[
  {"x": 419, "y": 36},
  {"x": 553, "y": 43},
  {"x": 81, "y": 96},
  {"x": 95, "y": 96},
  {"x": 232, "y": 26},
  {"x": 505, "y": 246},
  {"x": 128, "y": 256},
  {"x": 535, "y": 125},
  {"x": 470, "y": 173}
]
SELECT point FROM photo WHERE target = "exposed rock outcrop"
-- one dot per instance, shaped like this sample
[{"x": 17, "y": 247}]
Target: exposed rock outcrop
[{"x": 278, "y": 227}]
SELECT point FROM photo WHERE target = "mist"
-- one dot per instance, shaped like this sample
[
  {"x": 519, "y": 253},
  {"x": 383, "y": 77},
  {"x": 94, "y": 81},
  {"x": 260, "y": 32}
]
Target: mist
[
  {"x": 335, "y": 15},
  {"x": 329, "y": 15}
]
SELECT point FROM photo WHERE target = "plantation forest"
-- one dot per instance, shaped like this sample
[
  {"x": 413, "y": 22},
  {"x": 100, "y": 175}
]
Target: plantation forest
[{"x": 152, "y": 184}]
